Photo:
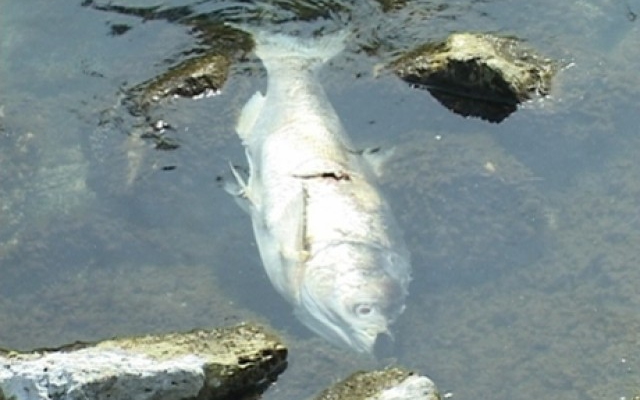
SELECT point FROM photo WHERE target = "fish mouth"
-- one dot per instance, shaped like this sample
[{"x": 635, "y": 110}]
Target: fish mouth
[{"x": 338, "y": 332}]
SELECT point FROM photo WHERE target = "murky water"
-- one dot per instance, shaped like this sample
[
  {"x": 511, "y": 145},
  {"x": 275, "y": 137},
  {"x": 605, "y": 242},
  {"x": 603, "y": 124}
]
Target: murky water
[{"x": 525, "y": 272}]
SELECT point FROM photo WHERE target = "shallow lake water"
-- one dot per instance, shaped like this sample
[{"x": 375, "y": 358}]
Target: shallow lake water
[{"x": 524, "y": 234}]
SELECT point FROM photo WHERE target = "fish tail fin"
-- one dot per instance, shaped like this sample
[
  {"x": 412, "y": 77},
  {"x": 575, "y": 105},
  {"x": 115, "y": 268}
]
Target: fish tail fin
[
  {"x": 270, "y": 47},
  {"x": 273, "y": 47}
]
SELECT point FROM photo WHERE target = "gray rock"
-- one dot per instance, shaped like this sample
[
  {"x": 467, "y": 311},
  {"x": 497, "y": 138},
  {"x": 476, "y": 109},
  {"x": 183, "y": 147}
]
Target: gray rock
[
  {"x": 387, "y": 384},
  {"x": 235, "y": 362}
]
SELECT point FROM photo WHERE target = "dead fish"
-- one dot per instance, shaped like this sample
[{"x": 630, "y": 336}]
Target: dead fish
[{"x": 326, "y": 235}]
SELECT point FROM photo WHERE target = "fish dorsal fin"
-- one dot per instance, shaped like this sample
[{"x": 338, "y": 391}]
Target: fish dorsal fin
[{"x": 249, "y": 115}]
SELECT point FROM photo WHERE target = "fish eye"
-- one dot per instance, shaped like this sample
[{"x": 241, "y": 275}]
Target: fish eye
[{"x": 364, "y": 309}]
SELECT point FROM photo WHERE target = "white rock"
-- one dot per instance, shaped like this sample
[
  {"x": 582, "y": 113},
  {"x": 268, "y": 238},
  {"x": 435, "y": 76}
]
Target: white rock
[
  {"x": 95, "y": 373},
  {"x": 175, "y": 366},
  {"x": 412, "y": 388}
]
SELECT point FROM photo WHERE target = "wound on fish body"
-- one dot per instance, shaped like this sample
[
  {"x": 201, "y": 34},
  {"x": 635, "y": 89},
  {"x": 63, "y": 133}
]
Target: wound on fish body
[{"x": 338, "y": 176}]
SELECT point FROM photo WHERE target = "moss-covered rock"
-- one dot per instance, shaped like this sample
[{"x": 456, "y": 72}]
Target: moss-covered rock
[
  {"x": 391, "y": 383},
  {"x": 477, "y": 74},
  {"x": 195, "y": 77}
]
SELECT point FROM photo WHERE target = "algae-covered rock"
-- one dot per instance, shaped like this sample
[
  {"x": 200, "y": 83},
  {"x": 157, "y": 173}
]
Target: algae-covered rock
[
  {"x": 200, "y": 76},
  {"x": 203, "y": 69},
  {"x": 387, "y": 384},
  {"x": 477, "y": 74},
  {"x": 226, "y": 363}
]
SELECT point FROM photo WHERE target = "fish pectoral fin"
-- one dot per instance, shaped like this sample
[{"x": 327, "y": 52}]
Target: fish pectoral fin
[
  {"x": 275, "y": 265},
  {"x": 282, "y": 266},
  {"x": 249, "y": 115},
  {"x": 293, "y": 271},
  {"x": 239, "y": 189},
  {"x": 295, "y": 248}
]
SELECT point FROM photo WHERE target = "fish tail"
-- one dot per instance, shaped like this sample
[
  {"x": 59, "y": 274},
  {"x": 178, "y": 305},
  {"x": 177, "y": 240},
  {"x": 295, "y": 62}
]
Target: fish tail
[{"x": 273, "y": 47}]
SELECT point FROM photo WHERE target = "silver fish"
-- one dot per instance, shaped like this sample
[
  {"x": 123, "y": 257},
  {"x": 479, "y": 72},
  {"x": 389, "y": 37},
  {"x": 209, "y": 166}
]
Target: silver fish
[{"x": 326, "y": 236}]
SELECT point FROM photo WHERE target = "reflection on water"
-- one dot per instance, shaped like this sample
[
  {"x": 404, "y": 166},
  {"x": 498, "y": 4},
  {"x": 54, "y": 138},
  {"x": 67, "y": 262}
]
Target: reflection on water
[{"x": 523, "y": 234}]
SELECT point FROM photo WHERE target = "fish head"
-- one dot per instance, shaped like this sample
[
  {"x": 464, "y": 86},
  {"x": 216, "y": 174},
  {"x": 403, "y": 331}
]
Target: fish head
[{"x": 352, "y": 292}]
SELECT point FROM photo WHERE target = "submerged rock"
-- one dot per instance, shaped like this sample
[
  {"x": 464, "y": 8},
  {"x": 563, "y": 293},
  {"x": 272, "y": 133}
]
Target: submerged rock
[
  {"x": 227, "y": 363},
  {"x": 205, "y": 67},
  {"x": 388, "y": 384},
  {"x": 477, "y": 74},
  {"x": 200, "y": 76}
]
